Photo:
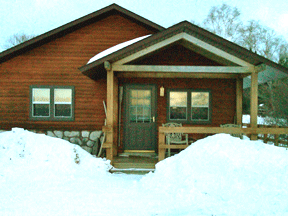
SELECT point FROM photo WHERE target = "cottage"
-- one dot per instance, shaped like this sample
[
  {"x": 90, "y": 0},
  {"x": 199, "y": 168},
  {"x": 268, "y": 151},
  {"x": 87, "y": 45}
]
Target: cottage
[{"x": 145, "y": 74}]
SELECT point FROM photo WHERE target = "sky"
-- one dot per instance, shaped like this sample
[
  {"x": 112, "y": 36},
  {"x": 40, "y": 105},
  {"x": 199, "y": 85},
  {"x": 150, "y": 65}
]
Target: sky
[{"x": 35, "y": 17}]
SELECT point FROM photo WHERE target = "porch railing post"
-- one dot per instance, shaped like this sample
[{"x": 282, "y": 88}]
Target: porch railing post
[
  {"x": 239, "y": 100},
  {"x": 161, "y": 144},
  {"x": 112, "y": 111},
  {"x": 254, "y": 103}
]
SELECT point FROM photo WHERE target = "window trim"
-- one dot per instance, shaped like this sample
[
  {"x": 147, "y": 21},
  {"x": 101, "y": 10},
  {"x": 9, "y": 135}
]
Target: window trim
[
  {"x": 52, "y": 116},
  {"x": 189, "y": 106}
]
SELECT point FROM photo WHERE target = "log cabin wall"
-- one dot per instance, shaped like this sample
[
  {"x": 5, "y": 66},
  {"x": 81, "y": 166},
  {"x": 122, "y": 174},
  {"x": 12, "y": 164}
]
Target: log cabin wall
[{"x": 57, "y": 63}]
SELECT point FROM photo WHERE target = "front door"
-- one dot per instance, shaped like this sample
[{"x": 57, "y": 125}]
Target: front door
[{"x": 139, "y": 118}]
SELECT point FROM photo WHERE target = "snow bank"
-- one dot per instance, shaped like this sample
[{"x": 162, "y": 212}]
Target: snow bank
[
  {"x": 23, "y": 149},
  {"x": 115, "y": 48},
  {"x": 219, "y": 175},
  {"x": 223, "y": 175}
]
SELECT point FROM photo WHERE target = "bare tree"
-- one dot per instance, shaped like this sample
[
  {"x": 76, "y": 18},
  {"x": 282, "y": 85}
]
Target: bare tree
[
  {"x": 17, "y": 39},
  {"x": 263, "y": 41},
  {"x": 224, "y": 21},
  {"x": 283, "y": 55},
  {"x": 249, "y": 36}
]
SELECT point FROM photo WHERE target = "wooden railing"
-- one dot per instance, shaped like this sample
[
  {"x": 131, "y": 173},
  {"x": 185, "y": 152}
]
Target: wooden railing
[
  {"x": 276, "y": 139},
  {"x": 211, "y": 130}
]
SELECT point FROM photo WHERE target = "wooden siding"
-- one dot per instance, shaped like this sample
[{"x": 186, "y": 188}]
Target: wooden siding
[
  {"x": 57, "y": 63},
  {"x": 176, "y": 55}
]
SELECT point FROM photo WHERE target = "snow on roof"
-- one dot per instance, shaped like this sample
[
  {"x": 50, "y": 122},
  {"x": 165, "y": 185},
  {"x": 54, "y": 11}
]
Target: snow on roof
[{"x": 116, "y": 48}]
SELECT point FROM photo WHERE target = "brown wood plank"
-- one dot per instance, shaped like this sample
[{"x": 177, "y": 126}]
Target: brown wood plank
[{"x": 214, "y": 130}]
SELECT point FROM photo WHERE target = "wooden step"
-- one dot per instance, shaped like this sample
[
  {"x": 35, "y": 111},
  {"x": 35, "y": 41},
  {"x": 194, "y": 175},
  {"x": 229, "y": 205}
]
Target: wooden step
[
  {"x": 134, "y": 165},
  {"x": 135, "y": 162},
  {"x": 133, "y": 171}
]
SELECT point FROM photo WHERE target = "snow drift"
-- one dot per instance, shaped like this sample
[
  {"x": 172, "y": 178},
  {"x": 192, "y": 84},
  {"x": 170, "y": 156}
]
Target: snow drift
[
  {"x": 219, "y": 175},
  {"x": 223, "y": 175},
  {"x": 22, "y": 149}
]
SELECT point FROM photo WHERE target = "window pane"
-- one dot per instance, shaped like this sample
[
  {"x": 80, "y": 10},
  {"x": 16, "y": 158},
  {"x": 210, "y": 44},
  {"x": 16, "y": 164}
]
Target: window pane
[
  {"x": 178, "y": 99},
  {"x": 62, "y": 95},
  {"x": 41, "y": 110},
  {"x": 133, "y": 114},
  {"x": 200, "y": 99},
  {"x": 178, "y": 105},
  {"x": 63, "y": 110},
  {"x": 41, "y": 102},
  {"x": 200, "y": 113},
  {"x": 178, "y": 113},
  {"x": 41, "y": 95},
  {"x": 63, "y": 100},
  {"x": 140, "y": 106},
  {"x": 146, "y": 114}
]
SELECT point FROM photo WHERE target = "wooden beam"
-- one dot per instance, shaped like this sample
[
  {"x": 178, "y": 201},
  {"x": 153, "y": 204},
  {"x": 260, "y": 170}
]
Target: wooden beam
[
  {"x": 176, "y": 75},
  {"x": 112, "y": 113},
  {"x": 173, "y": 146},
  {"x": 260, "y": 68},
  {"x": 216, "y": 130},
  {"x": 107, "y": 65},
  {"x": 254, "y": 103},
  {"x": 182, "y": 69},
  {"x": 239, "y": 100},
  {"x": 161, "y": 142}
]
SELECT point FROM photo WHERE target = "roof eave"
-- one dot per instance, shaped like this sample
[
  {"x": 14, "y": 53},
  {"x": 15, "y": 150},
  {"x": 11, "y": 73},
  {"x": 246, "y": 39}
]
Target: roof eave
[{"x": 72, "y": 26}]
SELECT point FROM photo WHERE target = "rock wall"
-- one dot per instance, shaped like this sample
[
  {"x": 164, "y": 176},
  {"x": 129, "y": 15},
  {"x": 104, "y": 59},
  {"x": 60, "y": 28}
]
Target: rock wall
[{"x": 88, "y": 140}]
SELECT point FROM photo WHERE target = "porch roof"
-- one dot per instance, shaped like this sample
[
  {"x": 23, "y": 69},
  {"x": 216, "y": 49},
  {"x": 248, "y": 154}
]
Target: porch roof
[{"x": 184, "y": 31}]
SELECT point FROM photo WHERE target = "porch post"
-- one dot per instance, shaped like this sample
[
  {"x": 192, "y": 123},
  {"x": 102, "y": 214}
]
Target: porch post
[
  {"x": 254, "y": 103},
  {"x": 239, "y": 100},
  {"x": 112, "y": 112}
]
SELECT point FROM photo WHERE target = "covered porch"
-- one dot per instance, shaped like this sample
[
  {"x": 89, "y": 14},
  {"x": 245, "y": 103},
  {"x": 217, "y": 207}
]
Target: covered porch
[
  {"x": 219, "y": 72},
  {"x": 180, "y": 58}
]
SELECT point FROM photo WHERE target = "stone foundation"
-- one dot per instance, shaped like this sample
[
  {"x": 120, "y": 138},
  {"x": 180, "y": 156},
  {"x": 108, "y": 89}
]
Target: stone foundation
[{"x": 88, "y": 140}]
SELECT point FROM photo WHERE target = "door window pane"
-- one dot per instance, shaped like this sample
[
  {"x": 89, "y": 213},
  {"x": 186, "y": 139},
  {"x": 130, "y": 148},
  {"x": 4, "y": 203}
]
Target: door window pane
[
  {"x": 140, "y": 106},
  {"x": 178, "y": 105},
  {"x": 41, "y": 102}
]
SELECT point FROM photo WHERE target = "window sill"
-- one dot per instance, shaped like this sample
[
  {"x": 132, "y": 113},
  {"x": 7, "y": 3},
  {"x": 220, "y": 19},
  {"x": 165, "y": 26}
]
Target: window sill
[
  {"x": 191, "y": 122},
  {"x": 51, "y": 119}
]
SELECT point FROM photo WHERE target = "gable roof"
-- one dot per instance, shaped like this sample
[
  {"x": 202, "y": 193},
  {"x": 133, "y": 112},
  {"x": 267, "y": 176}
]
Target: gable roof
[
  {"x": 200, "y": 35},
  {"x": 75, "y": 25}
]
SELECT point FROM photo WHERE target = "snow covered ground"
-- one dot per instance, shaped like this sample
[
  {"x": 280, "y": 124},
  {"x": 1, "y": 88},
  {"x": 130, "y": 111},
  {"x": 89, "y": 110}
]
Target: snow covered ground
[{"x": 219, "y": 175}]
